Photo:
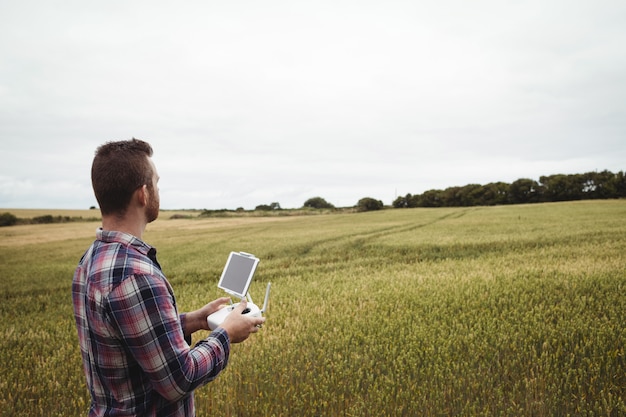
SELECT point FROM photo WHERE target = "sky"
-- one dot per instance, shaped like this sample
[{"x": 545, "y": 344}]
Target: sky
[{"x": 254, "y": 102}]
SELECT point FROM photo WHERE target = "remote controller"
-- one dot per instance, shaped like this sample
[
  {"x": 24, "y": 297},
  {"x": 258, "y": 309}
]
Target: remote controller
[{"x": 215, "y": 319}]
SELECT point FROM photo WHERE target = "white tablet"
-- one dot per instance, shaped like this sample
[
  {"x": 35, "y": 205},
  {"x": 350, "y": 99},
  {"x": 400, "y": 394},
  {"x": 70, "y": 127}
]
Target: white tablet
[{"x": 238, "y": 273}]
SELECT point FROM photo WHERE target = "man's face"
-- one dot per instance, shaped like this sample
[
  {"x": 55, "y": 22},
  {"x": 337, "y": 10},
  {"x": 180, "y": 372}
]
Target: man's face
[{"x": 154, "y": 201}]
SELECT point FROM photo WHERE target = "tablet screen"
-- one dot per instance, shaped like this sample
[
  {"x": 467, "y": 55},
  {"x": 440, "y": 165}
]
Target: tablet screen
[{"x": 238, "y": 273}]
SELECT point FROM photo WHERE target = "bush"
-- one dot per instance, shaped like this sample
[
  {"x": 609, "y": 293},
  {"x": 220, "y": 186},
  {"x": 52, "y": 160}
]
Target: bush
[
  {"x": 45, "y": 219},
  {"x": 7, "y": 219},
  {"x": 369, "y": 204},
  {"x": 318, "y": 203},
  {"x": 266, "y": 207}
]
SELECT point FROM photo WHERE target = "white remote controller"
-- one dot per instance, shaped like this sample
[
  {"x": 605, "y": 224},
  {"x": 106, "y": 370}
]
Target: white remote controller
[{"x": 215, "y": 319}]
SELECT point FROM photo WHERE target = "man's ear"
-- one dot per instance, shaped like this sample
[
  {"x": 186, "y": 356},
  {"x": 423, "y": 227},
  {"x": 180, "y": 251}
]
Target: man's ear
[{"x": 142, "y": 195}]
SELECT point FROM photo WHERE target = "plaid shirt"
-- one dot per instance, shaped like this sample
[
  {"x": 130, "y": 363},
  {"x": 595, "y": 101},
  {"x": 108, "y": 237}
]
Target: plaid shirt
[{"x": 135, "y": 356}]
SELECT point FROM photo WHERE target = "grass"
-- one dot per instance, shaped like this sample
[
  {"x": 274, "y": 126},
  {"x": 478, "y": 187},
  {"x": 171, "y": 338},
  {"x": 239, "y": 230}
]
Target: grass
[{"x": 514, "y": 310}]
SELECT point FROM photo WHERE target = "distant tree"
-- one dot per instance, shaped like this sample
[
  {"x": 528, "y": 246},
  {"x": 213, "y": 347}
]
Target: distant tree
[
  {"x": 524, "y": 190},
  {"x": 266, "y": 207},
  {"x": 451, "y": 197},
  {"x": 619, "y": 182},
  {"x": 408, "y": 201},
  {"x": 495, "y": 193},
  {"x": 561, "y": 187},
  {"x": 369, "y": 204},
  {"x": 430, "y": 198},
  {"x": 470, "y": 195},
  {"x": 401, "y": 202},
  {"x": 484, "y": 195},
  {"x": 7, "y": 219},
  {"x": 599, "y": 185},
  {"x": 318, "y": 203}
]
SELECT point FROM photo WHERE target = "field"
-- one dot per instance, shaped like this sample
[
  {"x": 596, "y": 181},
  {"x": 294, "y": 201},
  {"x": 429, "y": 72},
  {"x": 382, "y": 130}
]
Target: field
[{"x": 506, "y": 311}]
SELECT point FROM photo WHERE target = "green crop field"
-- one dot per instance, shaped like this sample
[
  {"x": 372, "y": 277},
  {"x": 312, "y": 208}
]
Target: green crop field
[{"x": 480, "y": 311}]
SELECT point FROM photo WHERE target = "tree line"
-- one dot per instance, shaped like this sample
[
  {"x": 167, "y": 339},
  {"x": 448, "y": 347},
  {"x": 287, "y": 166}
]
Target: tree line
[
  {"x": 10, "y": 219},
  {"x": 551, "y": 188}
]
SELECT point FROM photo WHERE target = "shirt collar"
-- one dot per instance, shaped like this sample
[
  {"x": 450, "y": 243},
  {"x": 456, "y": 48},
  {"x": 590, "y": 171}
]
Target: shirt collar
[{"x": 126, "y": 239}]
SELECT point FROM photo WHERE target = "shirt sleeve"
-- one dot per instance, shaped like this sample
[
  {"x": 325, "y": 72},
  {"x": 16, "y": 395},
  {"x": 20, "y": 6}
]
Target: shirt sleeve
[
  {"x": 182, "y": 318},
  {"x": 143, "y": 311}
]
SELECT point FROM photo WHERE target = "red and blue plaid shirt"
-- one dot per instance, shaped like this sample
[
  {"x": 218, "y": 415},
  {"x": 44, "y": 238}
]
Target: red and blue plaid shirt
[{"x": 135, "y": 356}]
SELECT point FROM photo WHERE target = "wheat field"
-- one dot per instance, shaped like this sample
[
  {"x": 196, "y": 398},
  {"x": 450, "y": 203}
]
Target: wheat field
[{"x": 478, "y": 311}]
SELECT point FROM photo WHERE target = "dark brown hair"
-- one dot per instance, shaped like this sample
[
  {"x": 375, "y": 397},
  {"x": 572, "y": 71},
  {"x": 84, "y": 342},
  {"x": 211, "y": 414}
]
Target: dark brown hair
[{"x": 118, "y": 169}]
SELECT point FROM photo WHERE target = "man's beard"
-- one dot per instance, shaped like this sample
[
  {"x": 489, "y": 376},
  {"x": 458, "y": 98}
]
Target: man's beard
[{"x": 152, "y": 210}]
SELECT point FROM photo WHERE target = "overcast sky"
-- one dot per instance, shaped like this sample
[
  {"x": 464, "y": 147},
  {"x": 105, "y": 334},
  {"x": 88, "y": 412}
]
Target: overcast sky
[{"x": 255, "y": 102}]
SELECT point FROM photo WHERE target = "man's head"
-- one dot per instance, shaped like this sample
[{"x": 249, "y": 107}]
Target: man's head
[{"x": 119, "y": 169}]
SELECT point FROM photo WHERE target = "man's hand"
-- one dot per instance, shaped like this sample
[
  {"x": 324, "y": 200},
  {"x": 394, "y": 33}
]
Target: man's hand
[
  {"x": 196, "y": 320},
  {"x": 239, "y": 326}
]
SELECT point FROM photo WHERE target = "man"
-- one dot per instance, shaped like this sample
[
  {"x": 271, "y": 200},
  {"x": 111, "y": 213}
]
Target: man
[{"x": 134, "y": 344}]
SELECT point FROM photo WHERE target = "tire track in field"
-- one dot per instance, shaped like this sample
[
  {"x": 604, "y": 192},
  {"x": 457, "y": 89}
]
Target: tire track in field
[
  {"x": 328, "y": 255},
  {"x": 359, "y": 238},
  {"x": 408, "y": 228}
]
